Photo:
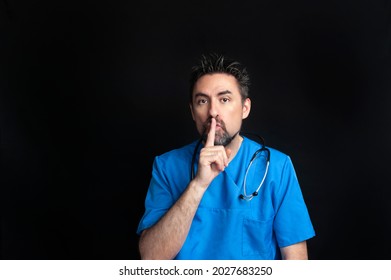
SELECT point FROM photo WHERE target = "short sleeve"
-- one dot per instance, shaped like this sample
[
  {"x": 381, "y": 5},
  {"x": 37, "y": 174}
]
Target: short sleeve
[
  {"x": 292, "y": 221},
  {"x": 158, "y": 199}
]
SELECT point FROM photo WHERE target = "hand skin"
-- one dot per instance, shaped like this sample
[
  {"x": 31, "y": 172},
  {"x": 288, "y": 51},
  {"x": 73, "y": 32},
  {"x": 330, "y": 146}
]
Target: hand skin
[{"x": 165, "y": 239}]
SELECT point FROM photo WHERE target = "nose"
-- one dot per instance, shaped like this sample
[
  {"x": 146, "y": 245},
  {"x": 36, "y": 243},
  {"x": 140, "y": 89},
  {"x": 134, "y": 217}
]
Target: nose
[{"x": 213, "y": 110}]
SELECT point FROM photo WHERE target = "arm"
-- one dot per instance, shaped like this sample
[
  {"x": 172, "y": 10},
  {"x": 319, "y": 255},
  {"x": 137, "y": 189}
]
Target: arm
[
  {"x": 165, "y": 239},
  {"x": 296, "y": 251}
]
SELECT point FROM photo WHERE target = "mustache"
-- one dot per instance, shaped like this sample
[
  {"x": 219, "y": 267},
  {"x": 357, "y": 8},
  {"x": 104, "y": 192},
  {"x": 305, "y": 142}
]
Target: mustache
[
  {"x": 224, "y": 139},
  {"x": 219, "y": 122}
]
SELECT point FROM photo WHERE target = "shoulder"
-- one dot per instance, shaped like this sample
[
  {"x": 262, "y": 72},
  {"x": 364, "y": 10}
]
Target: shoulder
[
  {"x": 174, "y": 166},
  {"x": 279, "y": 160}
]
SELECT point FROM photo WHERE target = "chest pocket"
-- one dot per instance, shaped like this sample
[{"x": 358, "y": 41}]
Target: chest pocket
[{"x": 257, "y": 237}]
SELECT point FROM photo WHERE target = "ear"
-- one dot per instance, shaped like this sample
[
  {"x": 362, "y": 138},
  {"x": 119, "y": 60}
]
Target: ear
[
  {"x": 246, "y": 108},
  {"x": 191, "y": 110}
]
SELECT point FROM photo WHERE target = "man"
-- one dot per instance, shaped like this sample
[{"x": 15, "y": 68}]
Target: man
[{"x": 206, "y": 215}]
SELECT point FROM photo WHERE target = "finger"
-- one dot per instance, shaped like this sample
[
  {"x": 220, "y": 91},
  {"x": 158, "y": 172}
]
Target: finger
[
  {"x": 218, "y": 162},
  {"x": 215, "y": 157},
  {"x": 210, "y": 141}
]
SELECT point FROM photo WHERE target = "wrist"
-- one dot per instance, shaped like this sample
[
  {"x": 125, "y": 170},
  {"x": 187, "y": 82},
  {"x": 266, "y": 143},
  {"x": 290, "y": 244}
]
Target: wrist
[{"x": 198, "y": 187}]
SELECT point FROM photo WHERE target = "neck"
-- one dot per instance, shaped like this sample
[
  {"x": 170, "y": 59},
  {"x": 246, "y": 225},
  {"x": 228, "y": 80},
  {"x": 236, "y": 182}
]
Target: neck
[{"x": 234, "y": 145}]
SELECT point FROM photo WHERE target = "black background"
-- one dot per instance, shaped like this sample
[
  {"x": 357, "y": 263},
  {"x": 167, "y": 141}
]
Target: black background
[{"x": 92, "y": 91}]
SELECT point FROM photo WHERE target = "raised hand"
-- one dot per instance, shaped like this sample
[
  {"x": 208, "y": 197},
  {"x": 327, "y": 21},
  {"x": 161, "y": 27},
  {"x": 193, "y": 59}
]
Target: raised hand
[{"x": 213, "y": 159}]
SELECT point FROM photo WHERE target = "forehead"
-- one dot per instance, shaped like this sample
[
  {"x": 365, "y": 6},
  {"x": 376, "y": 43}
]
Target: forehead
[{"x": 216, "y": 83}]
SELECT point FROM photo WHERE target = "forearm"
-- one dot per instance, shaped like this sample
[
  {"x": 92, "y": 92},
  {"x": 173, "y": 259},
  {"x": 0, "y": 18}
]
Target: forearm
[{"x": 166, "y": 237}]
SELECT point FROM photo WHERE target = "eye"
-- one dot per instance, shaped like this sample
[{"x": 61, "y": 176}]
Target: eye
[
  {"x": 224, "y": 100},
  {"x": 201, "y": 101}
]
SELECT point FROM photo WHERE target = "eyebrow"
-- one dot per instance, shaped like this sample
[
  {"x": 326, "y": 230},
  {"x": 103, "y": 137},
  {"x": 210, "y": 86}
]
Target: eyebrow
[
  {"x": 218, "y": 94},
  {"x": 224, "y": 92}
]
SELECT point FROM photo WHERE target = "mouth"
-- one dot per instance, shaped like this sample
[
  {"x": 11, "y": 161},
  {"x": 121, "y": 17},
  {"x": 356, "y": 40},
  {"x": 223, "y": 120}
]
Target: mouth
[{"x": 218, "y": 126}]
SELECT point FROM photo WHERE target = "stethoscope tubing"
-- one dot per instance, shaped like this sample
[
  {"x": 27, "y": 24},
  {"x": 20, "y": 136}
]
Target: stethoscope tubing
[{"x": 243, "y": 196}]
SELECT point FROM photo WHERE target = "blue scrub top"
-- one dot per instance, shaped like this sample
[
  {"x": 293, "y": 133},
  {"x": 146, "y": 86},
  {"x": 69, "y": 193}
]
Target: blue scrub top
[{"x": 225, "y": 226}]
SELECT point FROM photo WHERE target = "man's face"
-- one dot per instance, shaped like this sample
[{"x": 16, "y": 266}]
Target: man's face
[{"x": 218, "y": 96}]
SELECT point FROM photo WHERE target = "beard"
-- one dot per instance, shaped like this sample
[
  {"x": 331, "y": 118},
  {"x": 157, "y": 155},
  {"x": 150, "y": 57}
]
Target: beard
[{"x": 222, "y": 137}]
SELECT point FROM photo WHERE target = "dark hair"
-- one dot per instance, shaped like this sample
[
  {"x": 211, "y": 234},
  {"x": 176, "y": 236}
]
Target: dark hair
[{"x": 217, "y": 63}]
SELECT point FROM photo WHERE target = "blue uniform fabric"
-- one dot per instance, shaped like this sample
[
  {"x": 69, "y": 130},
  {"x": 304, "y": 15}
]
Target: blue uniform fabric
[{"x": 224, "y": 226}]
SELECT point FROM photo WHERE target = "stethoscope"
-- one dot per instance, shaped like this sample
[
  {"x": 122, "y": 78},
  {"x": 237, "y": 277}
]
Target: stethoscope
[{"x": 263, "y": 148}]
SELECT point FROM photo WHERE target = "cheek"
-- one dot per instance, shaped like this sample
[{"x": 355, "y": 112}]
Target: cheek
[
  {"x": 234, "y": 121},
  {"x": 200, "y": 128},
  {"x": 198, "y": 121},
  {"x": 199, "y": 118}
]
